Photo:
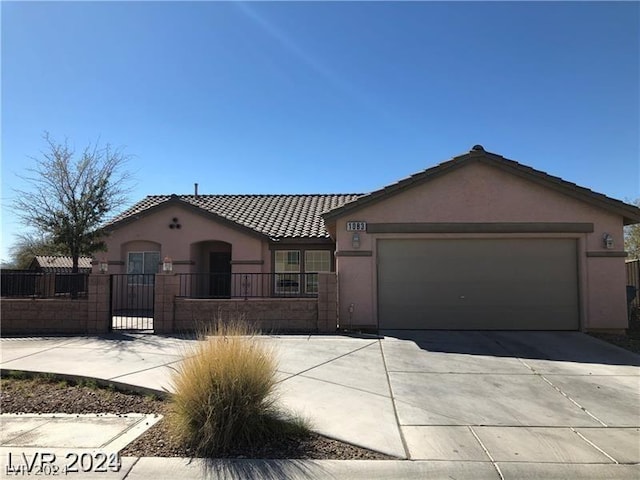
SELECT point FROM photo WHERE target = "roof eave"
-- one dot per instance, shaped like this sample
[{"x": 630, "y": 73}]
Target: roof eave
[
  {"x": 174, "y": 200},
  {"x": 301, "y": 240},
  {"x": 394, "y": 188},
  {"x": 629, "y": 213}
]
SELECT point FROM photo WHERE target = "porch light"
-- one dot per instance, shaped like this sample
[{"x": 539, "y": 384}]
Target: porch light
[
  {"x": 167, "y": 265},
  {"x": 355, "y": 240},
  {"x": 607, "y": 241},
  {"x": 103, "y": 265}
]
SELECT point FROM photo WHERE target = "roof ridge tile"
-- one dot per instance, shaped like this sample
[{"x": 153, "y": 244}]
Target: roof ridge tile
[{"x": 274, "y": 215}]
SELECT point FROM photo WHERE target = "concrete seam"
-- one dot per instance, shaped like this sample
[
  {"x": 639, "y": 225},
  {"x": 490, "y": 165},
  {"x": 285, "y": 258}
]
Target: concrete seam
[
  {"x": 123, "y": 432},
  {"x": 338, "y": 384},
  {"x": 558, "y": 389},
  {"x": 328, "y": 361},
  {"x": 461, "y": 421},
  {"x": 63, "y": 344},
  {"x": 594, "y": 446},
  {"x": 486, "y": 450},
  {"x": 24, "y": 433},
  {"x": 506, "y": 374},
  {"x": 146, "y": 369},
  {"x": 393, "y": 403},
  {"x": 590, "y": 375},
  {"x": 131, "y": 468}
]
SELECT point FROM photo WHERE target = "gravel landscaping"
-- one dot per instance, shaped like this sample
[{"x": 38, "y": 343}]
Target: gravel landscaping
[
  {"x": 630, "y": 340},
  {"x": 49, "y": 395}
]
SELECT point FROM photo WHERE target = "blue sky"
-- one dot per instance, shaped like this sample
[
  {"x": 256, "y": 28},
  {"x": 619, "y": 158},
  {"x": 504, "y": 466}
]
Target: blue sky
[{"x": 322, "y": 97}]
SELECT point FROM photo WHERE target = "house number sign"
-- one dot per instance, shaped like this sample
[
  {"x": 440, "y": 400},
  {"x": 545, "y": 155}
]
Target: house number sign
[{"x": 354, "y": 226}]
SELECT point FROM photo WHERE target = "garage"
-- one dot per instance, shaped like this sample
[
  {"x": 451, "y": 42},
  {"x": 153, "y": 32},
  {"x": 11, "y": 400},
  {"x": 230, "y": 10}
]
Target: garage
[{"x": 478, "y": 284}]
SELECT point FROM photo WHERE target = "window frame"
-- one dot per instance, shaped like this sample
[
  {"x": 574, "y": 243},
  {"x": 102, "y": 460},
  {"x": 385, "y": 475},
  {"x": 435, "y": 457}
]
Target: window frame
[
  {"x": 286, "y": 275},
  {"x": 303, "y": 274},
  {"x": 313, "y": 274},
  {"x": 144, "y": 277}
]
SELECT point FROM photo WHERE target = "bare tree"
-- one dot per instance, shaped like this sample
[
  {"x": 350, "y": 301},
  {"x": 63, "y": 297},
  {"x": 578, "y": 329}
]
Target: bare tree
[
  {"x": 632, "y": 237},
  {"x": 28, "y": 246},
  {"x": 70, "y": 196}
]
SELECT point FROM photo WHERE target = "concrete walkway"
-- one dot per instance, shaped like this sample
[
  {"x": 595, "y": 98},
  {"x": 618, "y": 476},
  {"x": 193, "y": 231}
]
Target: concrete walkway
[{"x": 468, "y": 404}]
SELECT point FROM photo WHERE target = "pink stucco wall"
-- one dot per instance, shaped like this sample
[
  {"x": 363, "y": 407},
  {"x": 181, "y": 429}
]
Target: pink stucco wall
[
  {"x": 188, "y": 246},
  {"x": 481, "y": 193}
]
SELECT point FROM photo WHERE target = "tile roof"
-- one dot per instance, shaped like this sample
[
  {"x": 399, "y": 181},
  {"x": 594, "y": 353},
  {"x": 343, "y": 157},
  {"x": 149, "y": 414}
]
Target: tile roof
[
  {"x": 276, "y": 216},
  {"x": 630, "y": 213},
  {"x": 304, "y": 216},
  {"x": 60, "y": 262}
]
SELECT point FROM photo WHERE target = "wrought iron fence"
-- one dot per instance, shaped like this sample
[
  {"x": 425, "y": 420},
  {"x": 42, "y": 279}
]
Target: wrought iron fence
[
  {"x": 633, "y": 279},
  {"x": 248, "y": 285},
  {"x": 43, "y": 285},
  {"x": 132, "y": 301}
]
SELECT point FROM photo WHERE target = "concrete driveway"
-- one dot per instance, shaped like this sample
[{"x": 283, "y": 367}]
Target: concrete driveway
[
  {"x": 469, "y": 404},
  {"x": 514, "y": 398}
]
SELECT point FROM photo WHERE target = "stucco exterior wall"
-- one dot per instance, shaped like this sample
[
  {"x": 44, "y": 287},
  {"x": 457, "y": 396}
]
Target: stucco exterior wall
[
  {"x": 478, "y": 193},
  {"x": 606, "y": 293},
  {"x": 187, "y": 246}
]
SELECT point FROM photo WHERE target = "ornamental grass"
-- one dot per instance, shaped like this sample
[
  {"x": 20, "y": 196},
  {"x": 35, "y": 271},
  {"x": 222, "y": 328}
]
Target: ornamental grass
[{"x": 224, "y": 393}]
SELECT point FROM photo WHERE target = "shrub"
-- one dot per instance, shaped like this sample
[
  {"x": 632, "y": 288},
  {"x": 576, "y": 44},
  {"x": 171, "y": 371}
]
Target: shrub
[{"x": 224, "y": 393}]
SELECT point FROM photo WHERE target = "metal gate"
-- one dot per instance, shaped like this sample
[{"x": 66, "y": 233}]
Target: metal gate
[
  {"x": 132, "y": 299},
  {"x": 633, "y": 279}
]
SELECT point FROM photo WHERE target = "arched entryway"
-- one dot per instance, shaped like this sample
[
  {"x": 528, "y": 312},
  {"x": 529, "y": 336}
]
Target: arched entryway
[{"x": 213, "y": 258}]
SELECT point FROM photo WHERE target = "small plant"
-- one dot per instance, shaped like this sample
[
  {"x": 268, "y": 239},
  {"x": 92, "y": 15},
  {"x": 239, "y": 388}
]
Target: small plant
[
  {"x": 224, "y": 393},
  {"x": 14, "y": 375},
  {"x": 152, "y": 396},
  {"x": 89, "y": 383}
]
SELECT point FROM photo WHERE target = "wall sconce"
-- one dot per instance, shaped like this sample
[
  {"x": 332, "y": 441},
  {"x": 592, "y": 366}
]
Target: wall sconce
[
  {"x": 103, "y": 265},
  {"x": 607, "y": 241},
  {"x": 355, "y": 240},
  {"x": 167, "y": 265}
]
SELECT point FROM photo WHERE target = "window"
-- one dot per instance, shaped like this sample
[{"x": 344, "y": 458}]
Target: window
[
  {"x": 315, "y": 261},
  {"x": 290, "y": 263},
  {"x": 287, "y": 278},
  {"x": 142, "y": 265}
]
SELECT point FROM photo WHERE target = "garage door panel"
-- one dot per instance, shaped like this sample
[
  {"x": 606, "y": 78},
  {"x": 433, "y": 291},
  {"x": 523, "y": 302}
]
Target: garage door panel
[
  {"x": 478, "y": 284},
  {"x": 478, "y": 293}
]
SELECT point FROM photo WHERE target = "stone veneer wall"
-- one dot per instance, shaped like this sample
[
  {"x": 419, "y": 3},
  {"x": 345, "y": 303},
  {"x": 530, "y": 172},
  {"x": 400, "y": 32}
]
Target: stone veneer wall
[
  {"x": 91, "y": 315},
  {"x": 48, "y": 316},
  {"x": 269, "y": 315},
  {"x": 176, "y": 314},
  {"x": 43, "y": 316},
  {"x": 327, "y": 302}
]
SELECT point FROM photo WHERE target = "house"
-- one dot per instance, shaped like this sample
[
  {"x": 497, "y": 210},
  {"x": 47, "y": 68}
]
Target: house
[
  {"x": 59, "y": 264},
  {"x": 47, "y": 275},
  {"x": 476, "y": 242}
]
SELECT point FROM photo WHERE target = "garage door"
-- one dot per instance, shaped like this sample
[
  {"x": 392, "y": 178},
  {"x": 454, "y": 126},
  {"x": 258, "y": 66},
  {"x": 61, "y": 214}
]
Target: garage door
[{"x": 492, "y": 284}]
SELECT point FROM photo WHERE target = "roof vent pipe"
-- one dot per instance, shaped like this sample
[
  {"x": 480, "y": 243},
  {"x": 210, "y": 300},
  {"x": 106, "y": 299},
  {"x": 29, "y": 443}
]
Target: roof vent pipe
[{"x": 195, "y": 188}]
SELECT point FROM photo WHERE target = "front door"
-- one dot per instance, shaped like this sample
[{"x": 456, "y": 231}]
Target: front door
[{"x": 220, "y": 274}]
